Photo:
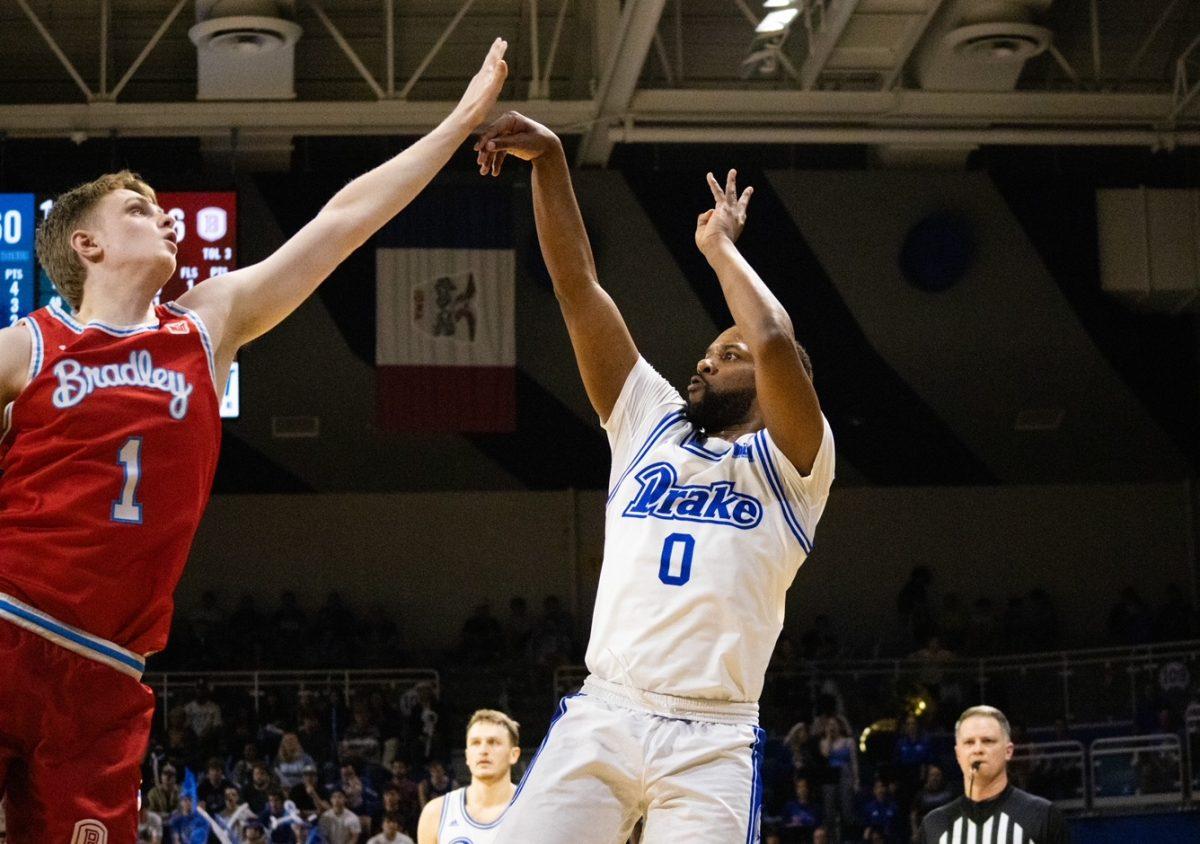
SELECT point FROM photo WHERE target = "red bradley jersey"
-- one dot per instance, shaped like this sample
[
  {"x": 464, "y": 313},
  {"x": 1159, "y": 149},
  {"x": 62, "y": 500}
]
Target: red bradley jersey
[{"x": 105, "y": 469}]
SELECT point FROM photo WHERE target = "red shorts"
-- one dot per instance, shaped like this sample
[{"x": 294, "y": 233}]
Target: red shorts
[{"x": 73, "y": 732}]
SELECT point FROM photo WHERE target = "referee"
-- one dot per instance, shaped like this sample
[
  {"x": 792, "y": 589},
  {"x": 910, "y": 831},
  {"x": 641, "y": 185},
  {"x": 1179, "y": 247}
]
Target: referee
[{"x": 991, "y": 811}]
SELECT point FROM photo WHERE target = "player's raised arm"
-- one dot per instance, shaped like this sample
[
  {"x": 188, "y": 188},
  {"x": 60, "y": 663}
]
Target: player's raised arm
[
  {"x": 603, "y": 347},
  {"x": 15, "y": 349},
  {"x": 785, "y": 393},
  {"x": 252, "y": 300}
]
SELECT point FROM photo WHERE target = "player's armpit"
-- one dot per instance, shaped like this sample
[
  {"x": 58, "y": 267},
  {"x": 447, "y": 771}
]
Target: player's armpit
[{"x": 16, "y": 347}]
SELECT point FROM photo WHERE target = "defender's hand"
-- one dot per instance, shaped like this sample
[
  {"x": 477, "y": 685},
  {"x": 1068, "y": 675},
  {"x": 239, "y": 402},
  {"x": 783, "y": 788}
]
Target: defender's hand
[
  {"x": 513, "y": 134},
  {"x": 727, "y": 218},
  {"x": 484, "y": 88}
]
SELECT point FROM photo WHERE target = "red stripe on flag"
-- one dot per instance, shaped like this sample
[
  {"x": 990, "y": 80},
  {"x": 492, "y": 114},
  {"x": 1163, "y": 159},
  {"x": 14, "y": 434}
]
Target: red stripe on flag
[{"x": 446, "y": 398}]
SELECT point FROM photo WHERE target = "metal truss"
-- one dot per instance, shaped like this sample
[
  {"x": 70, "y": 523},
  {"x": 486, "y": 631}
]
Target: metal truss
[{"x": 795, "y": 109}]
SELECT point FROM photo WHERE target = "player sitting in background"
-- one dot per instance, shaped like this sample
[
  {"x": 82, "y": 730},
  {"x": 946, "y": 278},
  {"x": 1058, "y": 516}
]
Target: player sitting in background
[
  {"x": 111, "y": 442},
  {"x": 471, "y": 815},
  {"x": 712, "y": 506}
]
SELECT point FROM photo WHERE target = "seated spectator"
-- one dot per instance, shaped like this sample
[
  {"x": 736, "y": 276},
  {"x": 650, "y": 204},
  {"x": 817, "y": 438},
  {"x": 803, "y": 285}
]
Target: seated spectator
[
  {"x": 410, "y": 797},
  {"x": 482, "y": 636},
  {"x": 308, "y": 795},
  {"x": 881, "y": 813},
  {"x": 362, "y": 738},
  {"x": 187, "y": 825},
  {"x": 290, "y": 761},
  {"x": 391, "y": 833},
  {"x": 210, "y": 792},
  {"x": 800, "y": 813},
  {"x": 276, "y": 819},
  {"x": 164, "y": 797},
  {"x": 421, "y": 710},
  {"x": 256, "y": 792},
  {"x": 203, "y": 716},
  {"x": 391, "y": 805},
  {"x": 339, "y": 824},
  {"x": 934, "y": 793},
  {"x": 437, "y": 783},
  {"x": 240, "y": 771},
  {"x": 150, "y": 826},
  {"x": 313, "y": 737},
  {"x": 253, "y": 832},
  {"x": 233, "y": 815}
]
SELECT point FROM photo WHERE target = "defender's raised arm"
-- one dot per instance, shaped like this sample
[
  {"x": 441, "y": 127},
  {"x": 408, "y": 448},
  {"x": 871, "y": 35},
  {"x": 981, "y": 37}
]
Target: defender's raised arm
[
  {"x": 603, "y": 347},
  {"x": 786, "y": 396},
  {"x": 252, "y": 300}
]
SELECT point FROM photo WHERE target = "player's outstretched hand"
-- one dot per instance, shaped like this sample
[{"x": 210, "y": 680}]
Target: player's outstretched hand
[
  {"x": 727, "y": 217},
  {"x": 513, "y": 134},
  {"x": 484, "y": 88}
]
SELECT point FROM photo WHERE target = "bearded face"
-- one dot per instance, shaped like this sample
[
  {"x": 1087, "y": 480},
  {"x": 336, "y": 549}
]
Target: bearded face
[{"x": 712, "y": 410}]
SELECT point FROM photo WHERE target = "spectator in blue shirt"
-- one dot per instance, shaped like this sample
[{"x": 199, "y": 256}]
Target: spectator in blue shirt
[
  {"x": 880, "y": 813},
  {"x": 187, "y": 826},
  {"x": 801, "y": 812}
]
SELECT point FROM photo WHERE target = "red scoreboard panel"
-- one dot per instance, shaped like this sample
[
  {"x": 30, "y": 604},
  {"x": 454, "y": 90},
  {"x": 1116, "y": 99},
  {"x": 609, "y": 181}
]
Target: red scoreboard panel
[{"x": 206, "y": 232}]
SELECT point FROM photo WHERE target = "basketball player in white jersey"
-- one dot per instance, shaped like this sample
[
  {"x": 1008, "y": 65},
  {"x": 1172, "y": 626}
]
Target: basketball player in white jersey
[
  {"x": 471, "y": 815},
  {"x": 712, "y": 504}
]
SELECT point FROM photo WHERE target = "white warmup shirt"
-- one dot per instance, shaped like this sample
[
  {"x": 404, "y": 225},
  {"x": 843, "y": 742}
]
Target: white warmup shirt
[{"x": 702, "y": 541}]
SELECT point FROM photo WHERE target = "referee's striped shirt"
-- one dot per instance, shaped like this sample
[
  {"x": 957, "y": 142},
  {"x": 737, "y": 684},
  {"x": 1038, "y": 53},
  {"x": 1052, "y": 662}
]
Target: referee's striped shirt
[{"x": 1011, "y": 817}]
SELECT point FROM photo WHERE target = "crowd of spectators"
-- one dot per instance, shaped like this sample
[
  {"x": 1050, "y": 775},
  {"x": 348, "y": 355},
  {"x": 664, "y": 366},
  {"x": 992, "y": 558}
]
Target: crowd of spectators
[{"x": 304, "y": 766}]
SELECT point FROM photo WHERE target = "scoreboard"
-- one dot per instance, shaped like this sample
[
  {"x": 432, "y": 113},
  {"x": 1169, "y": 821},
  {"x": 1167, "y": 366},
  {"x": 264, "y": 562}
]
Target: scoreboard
[{"x": 205, "y": 232}]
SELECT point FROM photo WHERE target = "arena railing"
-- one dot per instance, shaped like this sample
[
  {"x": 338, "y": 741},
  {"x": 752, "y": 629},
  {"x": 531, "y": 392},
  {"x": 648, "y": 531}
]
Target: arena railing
[
  {"x": 1093, "y": 685},
  {"x": 1137, "y": 771},
  {"x": 1056, "y": 770},
  {"x": 178, "y": 685}
]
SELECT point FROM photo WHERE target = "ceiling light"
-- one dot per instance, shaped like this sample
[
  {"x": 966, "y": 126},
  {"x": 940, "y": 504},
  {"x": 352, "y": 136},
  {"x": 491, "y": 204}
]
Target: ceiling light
[
  {"x": 776, "y": 21},
  {"x": 778, "y": 4}
]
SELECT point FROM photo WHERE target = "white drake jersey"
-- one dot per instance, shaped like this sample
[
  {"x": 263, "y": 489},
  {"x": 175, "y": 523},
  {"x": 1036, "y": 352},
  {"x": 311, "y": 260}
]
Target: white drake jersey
[
  {"x": 702, "y": 541},
  {"x": 458, "y": 827}
]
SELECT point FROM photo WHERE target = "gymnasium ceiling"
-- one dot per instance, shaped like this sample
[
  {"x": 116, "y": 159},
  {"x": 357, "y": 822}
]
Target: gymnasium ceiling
[{"x": 1117, "y": 72}]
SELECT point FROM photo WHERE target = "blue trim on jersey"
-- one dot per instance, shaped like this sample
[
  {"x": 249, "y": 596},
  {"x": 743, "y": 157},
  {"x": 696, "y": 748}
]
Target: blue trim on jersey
[
  {"x": 693, "y": 445},
  {"x": 79, "y": 638},
  {"x": 661, "y": 428},
  {"x": 205, "y": 339},
  {"x": 39, "y": 348},
  {"x": 116, "y": 331},
  {"x": 558, "y": 713},
  {"x": 777, "y": 486},
  {"x": 753, "y": 834}
]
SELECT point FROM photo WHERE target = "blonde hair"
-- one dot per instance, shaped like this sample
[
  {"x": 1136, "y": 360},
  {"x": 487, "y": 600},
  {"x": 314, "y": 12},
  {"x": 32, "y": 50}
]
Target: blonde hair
[
  {"x": 70, "y": 210},
  {"x": 985, "y": 712},
  {"x": 495, "y": 716}
]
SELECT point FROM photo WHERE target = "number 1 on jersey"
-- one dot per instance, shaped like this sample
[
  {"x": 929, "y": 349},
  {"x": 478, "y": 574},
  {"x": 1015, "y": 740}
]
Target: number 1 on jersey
[
  {"x": 666, "y": 567},
  {"x": 126, "y": 508}
]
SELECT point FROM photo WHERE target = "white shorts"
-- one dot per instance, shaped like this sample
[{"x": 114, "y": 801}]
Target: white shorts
[{"x": 605, "y": 764}]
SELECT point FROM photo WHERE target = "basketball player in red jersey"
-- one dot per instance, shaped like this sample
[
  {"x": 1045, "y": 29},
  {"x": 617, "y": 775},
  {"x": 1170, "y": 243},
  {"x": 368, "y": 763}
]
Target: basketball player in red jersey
[{"x": 111, "y": 432}]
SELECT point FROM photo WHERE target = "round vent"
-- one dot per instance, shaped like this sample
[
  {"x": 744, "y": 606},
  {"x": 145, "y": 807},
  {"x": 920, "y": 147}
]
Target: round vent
[
  {"x": 998, "y": 42},
  {"x": 244, "y": 35}
]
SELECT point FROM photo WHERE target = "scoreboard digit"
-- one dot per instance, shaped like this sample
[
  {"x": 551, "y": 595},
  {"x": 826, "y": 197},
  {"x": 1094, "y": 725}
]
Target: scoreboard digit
[{"x": 16, "y": 255}]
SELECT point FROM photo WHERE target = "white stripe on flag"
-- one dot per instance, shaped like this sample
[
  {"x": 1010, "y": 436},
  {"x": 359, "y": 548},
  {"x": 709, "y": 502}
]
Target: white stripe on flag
[{"x": 445, "y": 307}]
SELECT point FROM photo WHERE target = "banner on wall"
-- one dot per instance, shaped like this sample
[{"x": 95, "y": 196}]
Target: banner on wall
[{"x": 445, "y": 347}]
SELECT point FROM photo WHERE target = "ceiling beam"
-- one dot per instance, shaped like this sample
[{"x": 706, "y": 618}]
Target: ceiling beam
[
  {"x": 732, "y": 115},
  {"x": 824, "y": 38},
  {"x": 622, "y": 67}
]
